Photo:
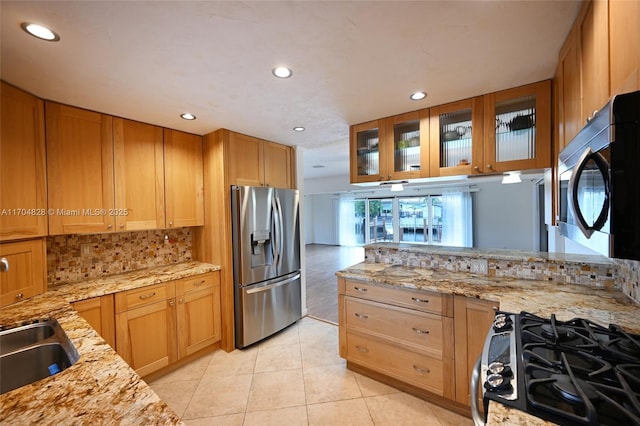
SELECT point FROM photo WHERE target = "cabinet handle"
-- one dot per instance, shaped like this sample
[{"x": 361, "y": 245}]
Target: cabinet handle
[
  {"x": 489, "y": 166},
  {"x": 170, "y": 223},
  {"x": 121, "y": 225},
  {"x": 415, "y": 299},
  {"x": 19, "y": 296},
  {"x": 181, "y": 300},
  {"x": 362, "y": 349},
  {"x": 417, "y": 330},
  {"x": 421, "y": 370},
  {"x": 147, "y": 296},
  {"x": 109, "y": 226},
  {"x": 476, "y": 168},
  {"x": 495, "y": 308},
  {"x": 198, "y": 283},
  {"x": 361, "y": 316},
  {"x": 172, "y": 302},
  {"x": 360, "y": 289},
  {"x": 4, "y": 264}
]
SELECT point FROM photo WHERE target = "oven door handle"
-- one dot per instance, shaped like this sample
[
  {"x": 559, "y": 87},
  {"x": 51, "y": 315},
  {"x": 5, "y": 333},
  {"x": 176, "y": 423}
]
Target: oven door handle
[{"x": 478, "y": 420}]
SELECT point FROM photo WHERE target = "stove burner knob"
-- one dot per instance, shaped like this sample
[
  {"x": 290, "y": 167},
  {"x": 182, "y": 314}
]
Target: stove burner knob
[
  {"x": 499, "y": 324},
  {"x": 500, "y": 317},
  {"x": 496, "y": 367},
  {"x": 507, "y": 373},
  {"x": 495, "y": 380}
]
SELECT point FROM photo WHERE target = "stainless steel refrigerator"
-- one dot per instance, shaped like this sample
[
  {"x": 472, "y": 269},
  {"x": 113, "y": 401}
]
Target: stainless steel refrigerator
[{"x": 266, "y": 261}]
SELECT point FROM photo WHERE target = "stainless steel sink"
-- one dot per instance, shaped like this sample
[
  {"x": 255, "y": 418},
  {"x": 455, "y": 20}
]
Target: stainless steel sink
[{"x": 32, "y": 352}]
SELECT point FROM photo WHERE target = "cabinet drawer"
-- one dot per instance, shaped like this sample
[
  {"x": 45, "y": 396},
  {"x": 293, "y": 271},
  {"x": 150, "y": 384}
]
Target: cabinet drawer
[
  {"x": 198, "y": 282},
  {"x": 143, "y": 296},
  {"x": 424, "y": 332},
  {"x": 425, "y": 301},
  {"x": 419, "y": 370}
]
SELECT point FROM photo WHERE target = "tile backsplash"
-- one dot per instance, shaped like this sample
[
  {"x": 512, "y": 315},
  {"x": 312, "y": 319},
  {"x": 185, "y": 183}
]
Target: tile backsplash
[
  {"x": 73, "y": 258},
  {"x": 629, "y": 276}
]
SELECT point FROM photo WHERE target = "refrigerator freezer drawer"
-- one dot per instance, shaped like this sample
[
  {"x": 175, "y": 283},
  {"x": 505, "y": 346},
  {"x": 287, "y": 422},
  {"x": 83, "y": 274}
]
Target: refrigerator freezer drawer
[{"x": 264, "y": 309}]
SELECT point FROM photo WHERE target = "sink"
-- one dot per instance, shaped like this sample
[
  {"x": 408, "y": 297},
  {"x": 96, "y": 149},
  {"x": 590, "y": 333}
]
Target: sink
[
  {"x": 19, "y": 337},
  {"x": 33, "y": 352}
]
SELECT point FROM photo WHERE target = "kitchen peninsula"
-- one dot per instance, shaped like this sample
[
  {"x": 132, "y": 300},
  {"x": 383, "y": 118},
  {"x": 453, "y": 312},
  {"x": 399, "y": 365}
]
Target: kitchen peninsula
[
  {"x": 432, "y": 291},
  {"x": 100, "y": 388}
]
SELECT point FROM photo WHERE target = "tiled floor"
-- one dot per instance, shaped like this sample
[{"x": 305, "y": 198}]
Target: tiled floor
[{"x": 294, "y": 378}]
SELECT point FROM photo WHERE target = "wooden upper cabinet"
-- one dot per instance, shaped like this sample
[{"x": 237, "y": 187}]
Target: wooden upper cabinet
[
  {"x": 256, "y": 162},
  {"x": 184, "y": 182},
  {"x": 456, "y": 138},
  {"x": 406, "y": 145},
  {"x": 624, "y": 46},
  {"x": 278, "y": 165},
  {"x": 139, "y": 175},
  {"x": 365, "y": 152},
  {"x": 517, "y": 128},
  {"x": 23, "y": 188},
  {"x": 23, "y": 273},
  {"x": 568, "y": 100},
  {"x": 79, "y": 170},
  {"x": 594, "y": 50},
  {"x": 245, "y": 160}
]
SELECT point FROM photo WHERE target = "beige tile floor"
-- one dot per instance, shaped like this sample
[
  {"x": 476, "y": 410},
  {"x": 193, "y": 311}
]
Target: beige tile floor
[{"x": 294, "y": 378}]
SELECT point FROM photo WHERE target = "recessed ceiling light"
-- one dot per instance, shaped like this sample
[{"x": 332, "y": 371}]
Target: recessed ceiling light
[
  {"x": 418, "y": 96},
  {"x": 298, "y": 129},
  {"x": 187, "y": 116},
  {"x": 39, "y": 31},
  {"x": 282, "y": 72}
]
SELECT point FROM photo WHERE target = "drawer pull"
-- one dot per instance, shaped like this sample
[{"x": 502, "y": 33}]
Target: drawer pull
[
  {"x": 415, "y": 299},
  {"x": 198, "y": 283},
  {"x": 361, "y": 316},
  {"x": 4, "y": 264},
  {"x": 147, "y": 296},
  {"x": 360, "y": 289},
  {"x": 421, "y": 370},
  {"x": 417, "y": 330},
  {"x": 362, "y": 349}
]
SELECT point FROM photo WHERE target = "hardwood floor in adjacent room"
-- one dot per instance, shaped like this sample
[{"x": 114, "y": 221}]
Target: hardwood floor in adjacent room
[{"x": 322, "y": 262}]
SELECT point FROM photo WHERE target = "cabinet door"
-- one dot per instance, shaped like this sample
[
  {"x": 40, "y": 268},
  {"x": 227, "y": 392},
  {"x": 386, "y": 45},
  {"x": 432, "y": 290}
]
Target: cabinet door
[
  {"x": 624, "y": 46},
  {"x": 22, "y": 271},
  {"x": 184, "y": 190},
  {"x": 456, "y": 138},
  {"x": 23, "y": 188},
  {"x": 594, "y": 51},
  {"x": 139, "y": 175},
  {"x": 278, "y": 165},
  {"x": 79, "y": 170},
  {"x": 146, "y": 336},
  {"x": 367, "y": 160},
  {"x": 245, "y": 160},
  {"x": 407, "y": 145},
  {"x": 517, "y": 128},
  {"x": 472, "y": 321},
  {"x": 568, "y": 92},
  {"x": 99, "y": 313},
  {"x": 198, "y": 317}
]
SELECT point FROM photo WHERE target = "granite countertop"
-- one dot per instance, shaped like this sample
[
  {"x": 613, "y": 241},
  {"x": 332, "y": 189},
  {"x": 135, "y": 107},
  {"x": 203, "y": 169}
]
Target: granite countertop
[
  {"x": 100, "y": 388},
  {"x": 543, "y": 298}
]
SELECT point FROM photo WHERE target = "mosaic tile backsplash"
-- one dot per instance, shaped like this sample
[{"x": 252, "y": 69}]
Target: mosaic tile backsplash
[
  {"x": 629, "y": 276},
  {"x": 72, "y": 258}
]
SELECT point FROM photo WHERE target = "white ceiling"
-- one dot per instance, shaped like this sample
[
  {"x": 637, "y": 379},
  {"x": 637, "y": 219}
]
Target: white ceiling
[{"x": 353, "y": 61}]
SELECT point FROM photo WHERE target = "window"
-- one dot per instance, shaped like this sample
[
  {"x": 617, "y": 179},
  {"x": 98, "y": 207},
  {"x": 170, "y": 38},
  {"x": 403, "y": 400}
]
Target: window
[{"x": 443, "y": 219}]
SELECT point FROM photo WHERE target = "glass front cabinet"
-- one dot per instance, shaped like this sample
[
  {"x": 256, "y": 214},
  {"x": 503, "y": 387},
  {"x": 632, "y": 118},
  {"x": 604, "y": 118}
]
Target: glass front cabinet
[
  {"x": 517, "y": 128},
  {"x": 390, "y": 149},
  {"x": 456, "y": 138}
]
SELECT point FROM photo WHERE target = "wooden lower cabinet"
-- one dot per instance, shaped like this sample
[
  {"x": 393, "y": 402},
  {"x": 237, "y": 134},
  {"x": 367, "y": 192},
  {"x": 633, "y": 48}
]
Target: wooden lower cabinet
[
  {"x": 158, "y": 325},
  {"x": 23, "y": 270},
  {"x": 99, "y": 312},
  {"x": 398, "y": 338},
  {"x": 472, "y": 319}
]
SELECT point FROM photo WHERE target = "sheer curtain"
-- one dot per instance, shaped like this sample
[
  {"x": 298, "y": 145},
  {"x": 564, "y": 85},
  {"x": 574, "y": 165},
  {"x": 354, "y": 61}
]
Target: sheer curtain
[
  {"x": 347, "y": 222},
  {"x": 457, "y": 227}
]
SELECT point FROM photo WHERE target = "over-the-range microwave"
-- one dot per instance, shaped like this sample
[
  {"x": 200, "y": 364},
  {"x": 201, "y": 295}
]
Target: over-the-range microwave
[{"x": 599, "y": 171}]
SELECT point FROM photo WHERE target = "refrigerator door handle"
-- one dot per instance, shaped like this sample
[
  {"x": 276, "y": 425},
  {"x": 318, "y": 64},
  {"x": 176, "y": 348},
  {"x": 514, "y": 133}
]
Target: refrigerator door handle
[
  {"x": 279, "y": 223},
  {"x": 274, "y": 285}
]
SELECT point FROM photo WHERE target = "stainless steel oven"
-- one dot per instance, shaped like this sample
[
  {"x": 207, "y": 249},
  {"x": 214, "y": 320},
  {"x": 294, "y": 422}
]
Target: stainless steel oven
[{"x": 599, "y": 171}]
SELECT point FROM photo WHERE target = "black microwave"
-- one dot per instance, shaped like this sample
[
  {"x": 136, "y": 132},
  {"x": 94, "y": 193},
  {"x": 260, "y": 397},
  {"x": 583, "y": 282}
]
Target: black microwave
[{"x": 599, "y": 172}]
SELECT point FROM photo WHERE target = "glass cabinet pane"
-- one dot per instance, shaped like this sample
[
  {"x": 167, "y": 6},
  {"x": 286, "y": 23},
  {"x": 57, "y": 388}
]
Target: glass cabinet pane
[
  {"x": 455, "y": 138},
  {"x": 406, "y": 146},
  {"x": 368, "y": 152},
  {"x": 516, "y": 129}
]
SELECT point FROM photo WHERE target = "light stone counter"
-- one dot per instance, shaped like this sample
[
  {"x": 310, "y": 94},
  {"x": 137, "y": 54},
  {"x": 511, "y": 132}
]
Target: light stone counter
[
  {"x": 567, "y": 301},
  {"x": 100, "y": 388}
]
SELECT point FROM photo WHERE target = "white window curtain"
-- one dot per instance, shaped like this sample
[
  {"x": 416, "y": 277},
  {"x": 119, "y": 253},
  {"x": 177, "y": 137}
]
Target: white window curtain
[
  {"x": 457, "y": 228},
  {"x": 347, "y": 222}
]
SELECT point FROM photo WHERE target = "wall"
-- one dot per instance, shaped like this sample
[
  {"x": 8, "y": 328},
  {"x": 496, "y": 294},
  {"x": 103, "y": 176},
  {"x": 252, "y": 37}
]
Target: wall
[
  {"x": 504, "y": 215},
  {"x": 114, "y": 253}
]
